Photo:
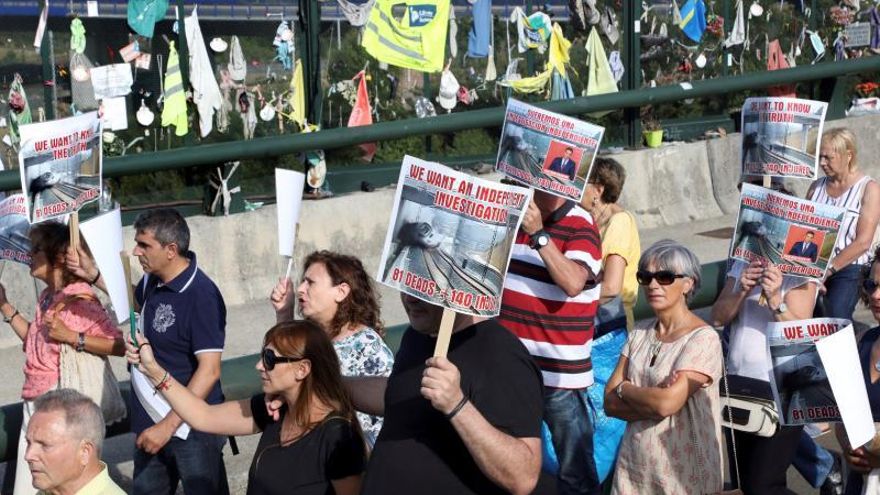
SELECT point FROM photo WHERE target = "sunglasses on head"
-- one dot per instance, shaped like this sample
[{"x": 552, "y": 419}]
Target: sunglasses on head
[
  {"x": 870, "y": 285},
  {"x": 270, "y": 359},
  {"x": 664, "y": 277}
]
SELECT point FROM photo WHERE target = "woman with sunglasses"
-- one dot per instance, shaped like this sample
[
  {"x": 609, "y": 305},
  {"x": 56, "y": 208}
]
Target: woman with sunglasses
[
  {"x": 83, "y": 324},
  {"x": 315, "y": 445},
  {"x": 665, "y": 386},
  {"x": 754, "y": 295},
  {"x": 337, "y": 294},
  {"x": 865, "y": 459}
]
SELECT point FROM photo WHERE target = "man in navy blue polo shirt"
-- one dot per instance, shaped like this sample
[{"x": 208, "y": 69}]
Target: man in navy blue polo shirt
[{"x": 184, "y": 318}]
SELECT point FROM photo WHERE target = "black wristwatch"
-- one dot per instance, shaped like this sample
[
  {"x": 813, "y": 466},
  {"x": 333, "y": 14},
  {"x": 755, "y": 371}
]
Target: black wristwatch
[{"x": 538, "y": 240}]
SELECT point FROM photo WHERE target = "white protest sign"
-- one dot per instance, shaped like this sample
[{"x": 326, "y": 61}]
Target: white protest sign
[
  {"x": 15, "y": 243},
  {"x": 843, "y": 367},
  {"x": 60, "y": 164},
  {"x": 289, "y": 192},
  {"x": 450, "y": 237},
  {"x": 103, "y": 234}
]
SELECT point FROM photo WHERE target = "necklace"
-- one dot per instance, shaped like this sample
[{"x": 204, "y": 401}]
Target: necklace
[{"x": 656, "y": 344}]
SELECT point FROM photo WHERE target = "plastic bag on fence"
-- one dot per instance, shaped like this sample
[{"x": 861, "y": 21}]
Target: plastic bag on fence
[{"x": 81, "y": 90}]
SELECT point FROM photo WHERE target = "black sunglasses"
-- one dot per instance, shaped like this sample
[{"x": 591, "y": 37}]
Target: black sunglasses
[
  {"x": 664, "y": 277},
  {"x": 270, "y": 359},
  {"x": 869, "y": 285}
]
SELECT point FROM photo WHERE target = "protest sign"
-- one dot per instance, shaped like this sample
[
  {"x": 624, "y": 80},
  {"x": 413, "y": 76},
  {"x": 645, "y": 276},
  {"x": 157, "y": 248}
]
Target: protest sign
[
  {"x": 60, "y": 163},
  {"x": 15, "y": 244},
  {"x": 103, "y": 234},
  {"x": 794, "y": 234},
  {"x": 801, "y": 377},
  {"x": 547, "y": 151},
  {"x": 780, "y": 137},
  {"x": 289, "y": 192},
  {"x": 450, "y": 237}
]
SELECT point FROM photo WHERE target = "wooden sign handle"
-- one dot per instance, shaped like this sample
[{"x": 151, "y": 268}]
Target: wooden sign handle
[
  {"x": 445, "y": 333},
  {"x": 73, "y": 227}
]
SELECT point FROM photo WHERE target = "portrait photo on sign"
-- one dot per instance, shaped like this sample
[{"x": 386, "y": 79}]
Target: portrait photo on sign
[
  {"x": 547, "y": 151},
  {"x": 563, "y": 160},
  {"x": 807, "y": 245}
]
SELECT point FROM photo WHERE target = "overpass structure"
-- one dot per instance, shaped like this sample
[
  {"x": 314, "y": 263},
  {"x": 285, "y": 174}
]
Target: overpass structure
[{"x": 234, "y": 10}]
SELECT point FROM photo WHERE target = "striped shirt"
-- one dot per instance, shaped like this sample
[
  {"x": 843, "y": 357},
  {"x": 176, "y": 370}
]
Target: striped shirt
[
  {"x": 556, "y": 329},
  {"x": 851, "y": 200}
]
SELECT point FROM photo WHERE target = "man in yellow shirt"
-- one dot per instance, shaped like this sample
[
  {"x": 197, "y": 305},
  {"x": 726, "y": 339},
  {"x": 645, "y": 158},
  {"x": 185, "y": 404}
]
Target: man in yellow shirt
[{"x": 64, "y": 439}]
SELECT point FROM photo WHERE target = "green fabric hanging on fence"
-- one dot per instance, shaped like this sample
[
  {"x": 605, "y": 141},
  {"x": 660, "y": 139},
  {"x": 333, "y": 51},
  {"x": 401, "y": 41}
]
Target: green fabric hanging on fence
[
  {"x": 143, "y": 15},
  {"x": 77, "y": 36},
  {"x": 174, "y": 111}
]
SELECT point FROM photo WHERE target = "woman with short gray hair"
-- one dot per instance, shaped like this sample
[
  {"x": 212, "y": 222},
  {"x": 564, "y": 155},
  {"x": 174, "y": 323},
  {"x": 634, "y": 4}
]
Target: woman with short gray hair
[{"x": 665, "y": 385}]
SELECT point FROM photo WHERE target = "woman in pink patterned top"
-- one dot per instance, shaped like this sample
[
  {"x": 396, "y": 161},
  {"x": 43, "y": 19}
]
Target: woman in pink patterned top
[
  {"x": 665, "y": 386},
  {"x": 82, "y": 323}
]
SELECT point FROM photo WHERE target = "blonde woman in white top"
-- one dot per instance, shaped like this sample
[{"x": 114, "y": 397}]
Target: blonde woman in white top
[{"x": 846, "y": 186}]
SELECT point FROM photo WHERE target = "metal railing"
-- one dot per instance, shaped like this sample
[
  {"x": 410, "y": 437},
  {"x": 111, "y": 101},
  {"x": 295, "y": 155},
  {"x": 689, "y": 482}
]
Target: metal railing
[{"x": 491, "y": 117}]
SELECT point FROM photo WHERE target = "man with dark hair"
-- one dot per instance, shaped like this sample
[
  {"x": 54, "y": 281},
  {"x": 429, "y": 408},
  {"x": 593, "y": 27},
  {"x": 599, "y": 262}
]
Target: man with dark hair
[
  {"x": 564, "y": 164},
  {"x": 184, "y": 318},
  {"x": 64, "y": 439},
  {"x": 806, "y": 248}
]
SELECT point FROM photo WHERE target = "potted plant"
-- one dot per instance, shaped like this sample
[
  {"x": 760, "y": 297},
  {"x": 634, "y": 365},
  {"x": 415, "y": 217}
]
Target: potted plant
[{"x": 651, "y": 129}]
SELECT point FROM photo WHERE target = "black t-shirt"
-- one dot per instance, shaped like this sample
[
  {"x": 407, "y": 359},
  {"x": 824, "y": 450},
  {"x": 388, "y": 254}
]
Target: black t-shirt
[
  {"x": 873, "y": 389},
  {"x": 331, "y": 451},
  {"x": 418, "y": 450}
]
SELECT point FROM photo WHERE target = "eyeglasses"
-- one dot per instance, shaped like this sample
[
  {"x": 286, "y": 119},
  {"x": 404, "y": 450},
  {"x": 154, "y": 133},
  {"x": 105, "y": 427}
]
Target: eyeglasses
[
  {"x": 664, "y": 277},
  {"x": 270, "y": 359},
  {"x": 870, "y": 285}
]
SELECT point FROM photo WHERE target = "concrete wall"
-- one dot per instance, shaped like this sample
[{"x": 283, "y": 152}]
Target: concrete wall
[
  {"x": 668, "y": 186},
  {"x": 696, "y": 181}
]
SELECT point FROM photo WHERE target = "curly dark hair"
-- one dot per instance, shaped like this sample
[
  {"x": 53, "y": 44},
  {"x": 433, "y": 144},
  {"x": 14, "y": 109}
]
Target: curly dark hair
[{"x": 362, "y": 304}]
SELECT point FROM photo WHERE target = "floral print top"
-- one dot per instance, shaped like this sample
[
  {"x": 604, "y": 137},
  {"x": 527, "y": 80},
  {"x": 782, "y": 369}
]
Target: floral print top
[
  {"x": 680, "y": 454},
  {"x": 364, "y": 353}
]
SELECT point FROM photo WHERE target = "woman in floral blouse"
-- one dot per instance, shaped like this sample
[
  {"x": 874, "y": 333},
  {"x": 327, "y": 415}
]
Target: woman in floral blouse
[{"x": 337, "y": 294}]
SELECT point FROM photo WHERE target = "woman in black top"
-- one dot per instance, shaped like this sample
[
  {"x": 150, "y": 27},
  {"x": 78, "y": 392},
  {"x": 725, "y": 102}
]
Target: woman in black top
[{"x": 314, "y": 447}]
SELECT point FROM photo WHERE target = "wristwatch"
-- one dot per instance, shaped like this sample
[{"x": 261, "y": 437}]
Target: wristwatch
[
  {"x": 538, "y": 240},
  {"x": 781, "y": 309}
]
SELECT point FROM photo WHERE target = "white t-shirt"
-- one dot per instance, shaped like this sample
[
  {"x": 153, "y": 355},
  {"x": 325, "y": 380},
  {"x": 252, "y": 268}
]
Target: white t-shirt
[{"x": 747, "y": 353}]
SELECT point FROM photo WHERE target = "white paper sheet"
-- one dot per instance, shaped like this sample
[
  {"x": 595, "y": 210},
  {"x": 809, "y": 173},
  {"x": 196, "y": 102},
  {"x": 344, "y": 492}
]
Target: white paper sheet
[
  {"x": 289, "y": 191},
  {"x": 103, "y": 234},
  {"x": 843, "y": 367},
  {"x": 115, "y": 113}
]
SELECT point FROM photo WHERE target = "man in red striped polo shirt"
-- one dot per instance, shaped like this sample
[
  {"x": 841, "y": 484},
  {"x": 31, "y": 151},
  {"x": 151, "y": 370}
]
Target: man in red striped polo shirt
[{"x": 551, "y": 294}]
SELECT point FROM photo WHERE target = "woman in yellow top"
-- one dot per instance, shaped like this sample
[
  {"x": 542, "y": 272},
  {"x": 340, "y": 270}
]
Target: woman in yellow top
[{"x": 620, "y": 244}]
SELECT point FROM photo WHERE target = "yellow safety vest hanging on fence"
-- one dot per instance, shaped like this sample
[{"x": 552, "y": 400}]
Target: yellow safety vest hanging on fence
[
  {"x": 418, "y": 41},
  {"x": 174, "y": 110}
]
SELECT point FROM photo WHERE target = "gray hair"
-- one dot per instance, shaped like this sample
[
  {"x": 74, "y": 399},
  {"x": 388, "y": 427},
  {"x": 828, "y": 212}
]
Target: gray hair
[
  {"x": 82, "y": 417},
  {"x": 670, "y": 255},
  {"x": 167, "y": 226}
]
